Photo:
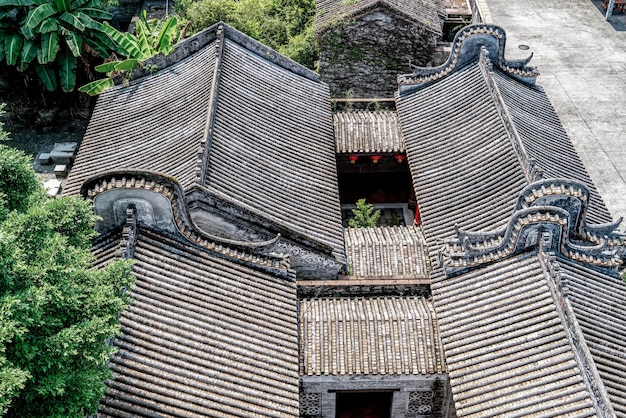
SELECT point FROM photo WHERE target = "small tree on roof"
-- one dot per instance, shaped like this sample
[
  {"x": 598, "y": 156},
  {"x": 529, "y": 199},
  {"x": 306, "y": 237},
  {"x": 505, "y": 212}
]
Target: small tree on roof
[{"x": 364, "y": 215}]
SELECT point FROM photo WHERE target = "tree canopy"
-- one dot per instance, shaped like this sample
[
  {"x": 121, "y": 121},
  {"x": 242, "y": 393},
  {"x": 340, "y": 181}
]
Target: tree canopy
[
  {"x": 284, "y": 25},
  {"x": 51, "y": 36},
  {"x": 365, "y": 216},
  {"x": 57, "y": 313}
]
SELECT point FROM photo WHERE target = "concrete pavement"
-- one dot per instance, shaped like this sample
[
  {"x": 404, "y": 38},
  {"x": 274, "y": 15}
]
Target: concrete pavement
[{"x": 582, "y": 62}]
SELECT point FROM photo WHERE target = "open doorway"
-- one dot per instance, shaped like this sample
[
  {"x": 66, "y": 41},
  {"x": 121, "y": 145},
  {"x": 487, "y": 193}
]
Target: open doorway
[
  {"x": 386, "y": 184},
  {"x": 364, "y": 404}
]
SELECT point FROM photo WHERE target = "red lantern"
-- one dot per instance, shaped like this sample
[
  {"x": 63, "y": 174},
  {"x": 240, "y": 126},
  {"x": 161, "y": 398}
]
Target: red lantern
[
  {"x": 376, "y": 158},
  {"x": 353, "y": 158},
  {"x": 400, "y": 157}
]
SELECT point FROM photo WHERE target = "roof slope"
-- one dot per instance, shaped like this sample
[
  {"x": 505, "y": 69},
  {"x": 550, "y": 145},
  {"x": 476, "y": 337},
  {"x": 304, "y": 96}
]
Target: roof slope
[
  {"x": 139, "y": 126},
  {"x": 396, "y": 251},
  {"x": 598, "y": 301},
  {"x": 364, "y": 336},
  {"x": 545, "y": 140},
  {"x": 505, "y": 344},
  {"x": 424, "y": 12},
  {"x": 364, "y": 131},
  {"x": 464, "y": 168},
  {"x": 232, "y": 117},
  {"x": 477, "y": 131},
  {"x": 273, "y": 145},
  {"x": 204, "y": 336}
]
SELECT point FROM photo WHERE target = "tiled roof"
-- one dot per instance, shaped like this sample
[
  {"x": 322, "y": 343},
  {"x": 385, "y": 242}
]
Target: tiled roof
[
  {"x": 547, "y": 260},
  {"x": 203, "y": 336},
  {"x": 396, "y": 251},
  {"x": 230, "y": 116},
  {"x": 506, "y": 347},
  {"x": 369, "y": 336},
  {"x": 598, "y": 302},
  {"x": 477, "y": 131},
  {"x": 424, "y": 12},
  {"x": 273, "y": 145},
  {"x": 367, "y": 132},
  {"x": 464, "y": 169},
  {"x": 141, "y": 126},
  {"x": 545, "y": 140},
  {"x": 106, "y": 248}
]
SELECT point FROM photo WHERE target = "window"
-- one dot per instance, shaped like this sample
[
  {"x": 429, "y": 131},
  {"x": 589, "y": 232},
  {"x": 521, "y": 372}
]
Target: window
[{"x": 364, "y": 404}]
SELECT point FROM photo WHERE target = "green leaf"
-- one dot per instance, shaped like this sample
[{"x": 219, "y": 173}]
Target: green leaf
[
  {"x": 96, "y": 87},
  {"x": 72, "y": 20},
  {"x": 28, "y": 32},
  {"x": 67, "y": 74},
  {"x": 16, "y": 3},
  {"x": 12, "y": 47},
  {"x": 49, "y": 25},
  {"x": 73, "y": 42},
  {"x": 166, "y": 35},
  {"x": 47, "y": 77},
  {"x": 79, "y": 3},
  {"x": 142, "y": 32},
  {"x": 37, "y": 15},
  {"x": 63, "y": 5},
  {"x": 49, "y": 47},
  {"x": 96, "y": 13},
  {"x": 127, "y": 43},
  {"x": 106, "y": 67},
  {"x": 29, "y": 52},
  {"x": 89, "y": 22},
  {"x": 127, "y": 64},
  {"x": 102, "y": 41},
  {"x": 99, "y": 46}
]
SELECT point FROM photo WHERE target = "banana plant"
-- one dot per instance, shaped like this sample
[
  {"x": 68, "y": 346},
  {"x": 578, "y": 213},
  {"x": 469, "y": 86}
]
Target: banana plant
[
  {"x": 151, "y": 37},
  {"x": 50, "y": 35}
]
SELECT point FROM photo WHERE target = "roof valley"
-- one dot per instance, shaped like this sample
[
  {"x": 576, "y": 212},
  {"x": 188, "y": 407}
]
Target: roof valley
[{"x": 205, "y": 144}]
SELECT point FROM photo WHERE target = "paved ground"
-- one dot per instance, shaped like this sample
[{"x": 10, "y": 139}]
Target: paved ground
[{"x": 582, "y": 61}]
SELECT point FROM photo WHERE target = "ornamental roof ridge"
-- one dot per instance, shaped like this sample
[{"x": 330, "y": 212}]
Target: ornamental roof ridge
[
  {"x": 466, "y": 48},
  {"x": 253, "y": 252},
  {"x": 550, "y": 207}
]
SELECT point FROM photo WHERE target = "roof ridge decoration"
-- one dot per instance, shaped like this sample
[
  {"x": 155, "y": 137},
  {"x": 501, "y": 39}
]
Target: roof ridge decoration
[
  {"x": 207, "y": 137},
  {"x": 129, "y": 232},
  {"x": 222, "y": 200},
  {"x": 553, "y": 206},
  {"x": 531, "y": 170},
  {"x": 466, "y": 48},
  {"x": 258, "y": 253},
  {"x": 582, "y": 355}
]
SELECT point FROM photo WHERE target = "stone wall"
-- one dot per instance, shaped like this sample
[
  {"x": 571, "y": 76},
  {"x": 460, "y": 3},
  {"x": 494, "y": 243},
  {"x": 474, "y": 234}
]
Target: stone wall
[{"x": 362, "y": 57}]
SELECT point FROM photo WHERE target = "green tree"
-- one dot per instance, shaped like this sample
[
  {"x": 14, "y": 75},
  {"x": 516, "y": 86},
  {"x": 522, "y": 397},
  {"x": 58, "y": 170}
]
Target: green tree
[
  {"x": 364, "y": 215},
  {"x": 50, "y": 36},
  {"x": 57, "y": 313},
  {"x": 284, "y": 25},
  {"x": 151, "y": 37}
]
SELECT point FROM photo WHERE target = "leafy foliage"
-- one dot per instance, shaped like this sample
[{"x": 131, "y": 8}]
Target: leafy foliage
[
  {"x": 56, "y": 311},
  {"x": 284, "y": 25},
  {"x": 49, "y": 36},
  {"x": 151, "y": 37},
  {"x": 364, "y": 215}
]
